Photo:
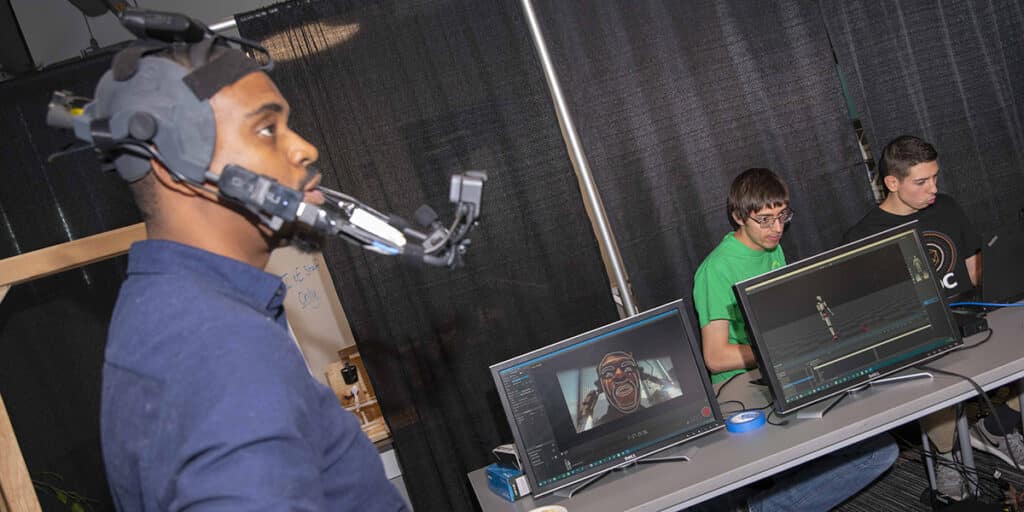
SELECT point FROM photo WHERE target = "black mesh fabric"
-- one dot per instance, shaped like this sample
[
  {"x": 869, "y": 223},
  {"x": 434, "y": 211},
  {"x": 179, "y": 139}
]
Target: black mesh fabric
[
  {"x": 951, "y": 73},
  {"x": 397, "y": 96},
  {"x": 674, "y": 99},
  {"x": 53, "y": 330}
]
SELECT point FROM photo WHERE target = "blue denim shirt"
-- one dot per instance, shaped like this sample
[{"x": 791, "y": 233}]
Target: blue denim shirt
[{"x": 208, "y": 405}]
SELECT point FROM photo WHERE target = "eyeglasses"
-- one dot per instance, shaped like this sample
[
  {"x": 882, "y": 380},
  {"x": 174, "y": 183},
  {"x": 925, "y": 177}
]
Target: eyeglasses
[{"x": 766, "y": 222}]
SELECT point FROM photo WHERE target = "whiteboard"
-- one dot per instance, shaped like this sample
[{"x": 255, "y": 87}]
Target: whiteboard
[{"x": 312, "y": 306}]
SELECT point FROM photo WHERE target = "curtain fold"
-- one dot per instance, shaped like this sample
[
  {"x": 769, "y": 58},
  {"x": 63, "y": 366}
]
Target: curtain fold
[
  {"x": 674, "y": 99},
  {"x": 397, "y": 95},
  {"x": 951, "y": 73}
]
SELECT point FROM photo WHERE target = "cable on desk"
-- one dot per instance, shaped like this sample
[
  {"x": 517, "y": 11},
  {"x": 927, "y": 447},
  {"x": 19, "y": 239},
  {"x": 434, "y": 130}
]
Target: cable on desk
[
  {"x": 727, "y": 381},
  {"x": 742, "y": 407},
  {"x": 769, "y": 418},
  {"x": 972, "y": 345},
  {"x": 988, "y": 403}
]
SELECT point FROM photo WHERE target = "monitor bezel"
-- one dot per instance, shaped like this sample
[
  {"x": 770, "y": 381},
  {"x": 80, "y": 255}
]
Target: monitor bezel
[
  {"x": 779, "y": 403},
  {"x": 692, "y": 340}
]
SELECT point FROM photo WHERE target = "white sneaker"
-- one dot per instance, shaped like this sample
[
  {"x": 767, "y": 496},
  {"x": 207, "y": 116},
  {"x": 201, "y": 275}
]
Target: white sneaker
[
  {"x": 949, "y": 480},
  {"x": 994, "y": 444}
]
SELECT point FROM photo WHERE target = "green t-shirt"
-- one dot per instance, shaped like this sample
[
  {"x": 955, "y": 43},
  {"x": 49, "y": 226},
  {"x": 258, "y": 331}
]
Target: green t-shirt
[{"x": 713, "y": 297}]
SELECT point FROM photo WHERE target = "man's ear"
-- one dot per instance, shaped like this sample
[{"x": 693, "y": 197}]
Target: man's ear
[
  {"x": 168, "y": 180},
  {"x": 891, "y": 183},
  {"x": 736, "y": 218}
]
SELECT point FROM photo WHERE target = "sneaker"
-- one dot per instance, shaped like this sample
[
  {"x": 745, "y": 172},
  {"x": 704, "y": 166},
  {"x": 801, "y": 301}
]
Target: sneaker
[
  {"x": 993, "y": 444},
  {"x": 949, "y": 481}
]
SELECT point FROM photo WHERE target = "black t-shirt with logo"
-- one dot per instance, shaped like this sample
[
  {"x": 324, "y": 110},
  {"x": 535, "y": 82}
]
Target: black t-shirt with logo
[{"x": 946, "y": 232}]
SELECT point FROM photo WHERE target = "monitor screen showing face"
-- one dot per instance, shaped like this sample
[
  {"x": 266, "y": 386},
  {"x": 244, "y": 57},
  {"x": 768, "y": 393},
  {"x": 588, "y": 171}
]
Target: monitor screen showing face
[
  {"x": 605, "y": 398},
  {"x": 844, "y": 317}
]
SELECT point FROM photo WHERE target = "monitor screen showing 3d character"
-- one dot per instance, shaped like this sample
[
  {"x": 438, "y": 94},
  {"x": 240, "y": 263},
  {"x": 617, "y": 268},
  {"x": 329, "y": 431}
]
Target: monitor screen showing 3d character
[{"x": 834, "y": 321}]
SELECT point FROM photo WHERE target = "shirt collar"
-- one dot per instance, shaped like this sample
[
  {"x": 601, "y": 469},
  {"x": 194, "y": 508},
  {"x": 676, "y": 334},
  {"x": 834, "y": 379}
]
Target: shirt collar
[{"x": 262, "y": 291}]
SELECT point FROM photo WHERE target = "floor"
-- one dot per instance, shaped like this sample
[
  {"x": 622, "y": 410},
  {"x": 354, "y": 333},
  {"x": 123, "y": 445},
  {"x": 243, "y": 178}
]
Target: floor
[{"x": 901, "y": 488}]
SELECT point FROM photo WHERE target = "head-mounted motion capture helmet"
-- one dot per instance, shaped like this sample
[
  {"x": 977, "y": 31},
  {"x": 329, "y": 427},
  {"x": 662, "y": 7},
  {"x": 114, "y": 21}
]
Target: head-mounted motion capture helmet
[
  {"x": 150, "y": 106},
  {"x": 148, "y": 99}
]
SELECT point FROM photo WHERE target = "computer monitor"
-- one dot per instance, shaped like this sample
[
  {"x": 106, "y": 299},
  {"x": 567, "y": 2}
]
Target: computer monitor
[
  {"x": 607, "y": 398},
  {"x": 832, "y": 322}
]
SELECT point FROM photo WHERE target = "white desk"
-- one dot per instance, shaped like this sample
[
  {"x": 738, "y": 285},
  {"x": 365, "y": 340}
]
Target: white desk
[{"x": 724, "y": 461}]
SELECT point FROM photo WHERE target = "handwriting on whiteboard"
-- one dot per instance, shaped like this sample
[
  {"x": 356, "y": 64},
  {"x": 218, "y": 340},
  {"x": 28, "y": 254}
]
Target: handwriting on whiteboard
[{"x": 304, "y": 286}]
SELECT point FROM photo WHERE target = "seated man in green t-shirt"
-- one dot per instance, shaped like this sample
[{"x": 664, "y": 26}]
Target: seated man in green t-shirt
[{"x": 759, "y": 210}]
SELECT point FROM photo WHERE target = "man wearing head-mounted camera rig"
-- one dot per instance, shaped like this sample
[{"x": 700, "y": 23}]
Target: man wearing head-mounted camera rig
[{"x": 207, "y": 404}]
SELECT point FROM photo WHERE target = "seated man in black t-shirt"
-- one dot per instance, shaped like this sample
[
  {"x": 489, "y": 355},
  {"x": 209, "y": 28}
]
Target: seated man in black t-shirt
[{"x": 908, "y": 171}]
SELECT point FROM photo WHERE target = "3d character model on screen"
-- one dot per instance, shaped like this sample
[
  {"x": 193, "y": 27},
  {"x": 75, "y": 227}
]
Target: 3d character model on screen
[
  {"x": 826, "y": 316},
  {"x": 920, "y": 274}
]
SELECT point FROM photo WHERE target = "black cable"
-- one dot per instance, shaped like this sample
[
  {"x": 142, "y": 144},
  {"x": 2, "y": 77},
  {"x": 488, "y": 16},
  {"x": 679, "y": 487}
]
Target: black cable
[
  {"x": 984, "y": 396},
  {"x": 768, "y": 419},
  {"x": 960, "y": 467},
  {"x": 969, "y": 475},
  {"x": 742, "y": 407},
  {"x": 727, "y": 381},
  {"x": 987, "y": 337}
]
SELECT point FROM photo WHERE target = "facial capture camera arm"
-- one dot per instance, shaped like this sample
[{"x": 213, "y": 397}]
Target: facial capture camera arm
[
  {"x": 275, "y": 204},
  {"x": 351, "y": 220}
]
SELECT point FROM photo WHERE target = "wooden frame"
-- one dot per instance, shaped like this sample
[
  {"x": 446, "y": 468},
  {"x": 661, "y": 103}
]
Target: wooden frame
[{"x": 16, "y": 491}]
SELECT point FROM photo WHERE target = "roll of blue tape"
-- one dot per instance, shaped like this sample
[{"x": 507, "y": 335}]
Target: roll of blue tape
[{"x": 745, "y": 421}]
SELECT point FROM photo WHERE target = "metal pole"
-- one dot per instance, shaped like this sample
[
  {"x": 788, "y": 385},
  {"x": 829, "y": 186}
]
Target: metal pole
[{"x": 589, "y": 190}]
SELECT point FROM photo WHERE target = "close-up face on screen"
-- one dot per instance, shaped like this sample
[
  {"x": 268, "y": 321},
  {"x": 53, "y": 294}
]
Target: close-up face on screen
[
  {"x": 591, "y": 402},
  {"x": 617, "y": 386}
]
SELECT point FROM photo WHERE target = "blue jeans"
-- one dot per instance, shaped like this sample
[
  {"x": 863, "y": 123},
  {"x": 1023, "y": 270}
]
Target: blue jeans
[{"x": 820, "y": 484}]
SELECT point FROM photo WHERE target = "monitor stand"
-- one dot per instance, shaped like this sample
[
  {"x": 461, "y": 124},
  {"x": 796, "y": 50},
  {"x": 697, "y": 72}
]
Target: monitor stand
[
  {"x": 682, "y": 456},
  {"x": 818, "y": 411}
]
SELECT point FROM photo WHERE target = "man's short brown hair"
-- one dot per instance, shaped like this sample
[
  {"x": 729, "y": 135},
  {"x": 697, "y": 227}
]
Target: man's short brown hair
[
  {"x": 903, "y": 153},
  {"x": 753, "y": 190}
]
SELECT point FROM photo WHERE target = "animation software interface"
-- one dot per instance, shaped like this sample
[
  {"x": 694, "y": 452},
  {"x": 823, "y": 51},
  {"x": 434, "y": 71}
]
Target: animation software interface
[
  {"x": 605, "y": 399},
  {"x": 852, "y": 315}
]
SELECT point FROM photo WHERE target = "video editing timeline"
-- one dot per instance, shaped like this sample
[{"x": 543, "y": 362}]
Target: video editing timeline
[
  {"x": 630, "y": 424},
  {"x": 849, "y": 317}
]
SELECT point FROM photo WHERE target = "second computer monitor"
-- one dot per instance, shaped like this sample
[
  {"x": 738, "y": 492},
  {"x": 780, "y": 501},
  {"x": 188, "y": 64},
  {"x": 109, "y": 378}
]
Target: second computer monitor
[{"x": 834, "y": 321}]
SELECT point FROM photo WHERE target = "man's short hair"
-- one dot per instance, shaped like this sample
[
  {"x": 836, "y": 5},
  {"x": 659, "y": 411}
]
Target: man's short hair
[
  {"x": 753, "y": 190},
  {"x": 901, "y": 154}
]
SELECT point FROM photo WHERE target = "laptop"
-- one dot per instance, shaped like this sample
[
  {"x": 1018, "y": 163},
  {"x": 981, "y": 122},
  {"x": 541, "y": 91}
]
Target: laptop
[{"x": 1002, "y": 279}]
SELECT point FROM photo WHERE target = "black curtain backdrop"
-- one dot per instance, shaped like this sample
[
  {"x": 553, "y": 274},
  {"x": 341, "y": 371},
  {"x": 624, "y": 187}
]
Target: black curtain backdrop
[
  {"x": 53, "y": 330},
  {"x": 674, "y": 99},
  {"x": 398, "y": 95},
  {"x": 949, "y": 72}
]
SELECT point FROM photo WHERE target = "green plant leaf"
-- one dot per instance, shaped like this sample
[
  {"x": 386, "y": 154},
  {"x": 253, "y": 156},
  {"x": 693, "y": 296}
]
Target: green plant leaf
[
  {"x": 77, "y": 507},
  {"x": 62, "y": 497}
]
